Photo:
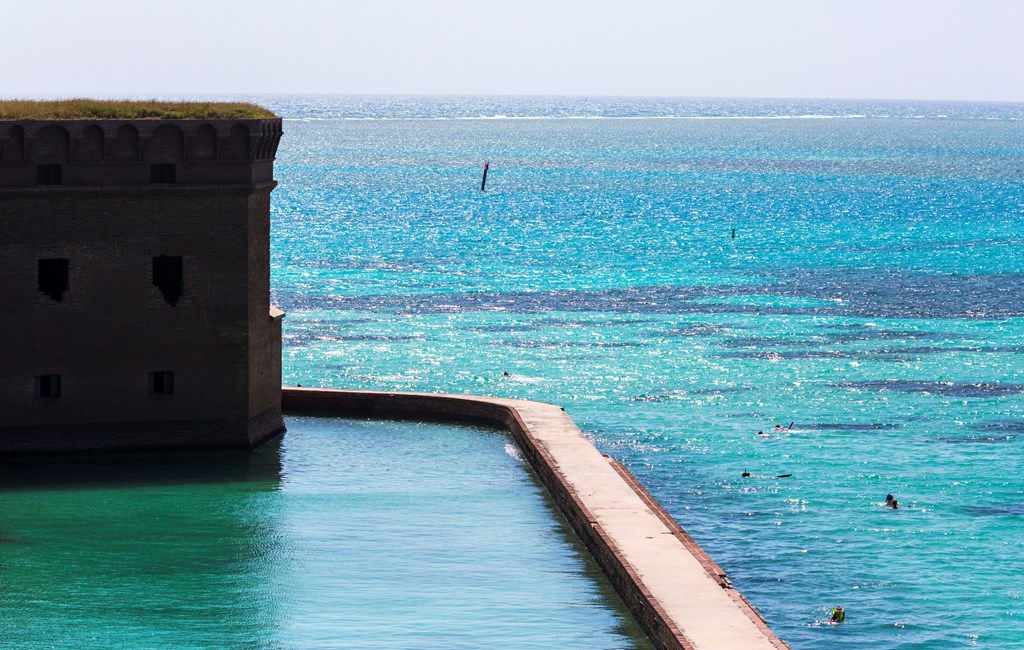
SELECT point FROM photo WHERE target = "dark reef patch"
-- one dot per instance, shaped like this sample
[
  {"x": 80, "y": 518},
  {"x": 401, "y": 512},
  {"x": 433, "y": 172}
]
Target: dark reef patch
[
  {"x": 849, "y": 426},
  {"x": 977, "y": 440},
  {"x": 1001, "y": 510},
  {"x": 883, "y": 354},
  {"x": 1002, "y": 426},
  {"x": 843, "y": 292},
  {"x": 944, "y": 388},
  {"x": 666, "y": 395},
  {"x": 994, "y": 433},
  {"x": 566, "y": 344},
  {"x": 565, "y": 322},
  {"x": 870, "y": 355},
  {"x": 771, "y": 342},
  {"x": 928, "y": 349},
  {"x": 371, "y": 337},
  {"x": 516, "y": 327},
  {"x": 701, "y": 330},
  {"x": 857, "y": 332}
]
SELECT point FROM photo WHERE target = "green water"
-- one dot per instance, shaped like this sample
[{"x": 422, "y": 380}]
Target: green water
[{"x": 344, "y": 534}]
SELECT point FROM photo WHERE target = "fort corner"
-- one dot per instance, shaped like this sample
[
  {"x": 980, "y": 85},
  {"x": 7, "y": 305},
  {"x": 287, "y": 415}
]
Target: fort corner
[{"x": 135, "y": 276}]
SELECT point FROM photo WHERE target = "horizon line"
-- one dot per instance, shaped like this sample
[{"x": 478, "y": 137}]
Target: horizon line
[{"x": 167, "y": 94}]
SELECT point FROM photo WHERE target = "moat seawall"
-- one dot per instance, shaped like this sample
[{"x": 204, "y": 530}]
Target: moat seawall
[{"x": 678, "y": 594}]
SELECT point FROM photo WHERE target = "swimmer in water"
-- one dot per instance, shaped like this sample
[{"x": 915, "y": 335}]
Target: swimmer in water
[
  {"x": 837, "y": 615},
  {"x": 891, "y": 502},
  {"x": 762, "y": 434},
  {"x": 749, "y": 475}
]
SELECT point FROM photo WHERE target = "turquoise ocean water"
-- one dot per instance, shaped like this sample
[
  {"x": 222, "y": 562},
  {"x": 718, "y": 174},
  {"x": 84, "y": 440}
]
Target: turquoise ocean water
[{"x": 871, "y": 296}]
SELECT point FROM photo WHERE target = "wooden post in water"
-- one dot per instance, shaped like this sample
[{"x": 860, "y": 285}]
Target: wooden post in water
[{"x": 483, "y": 183}]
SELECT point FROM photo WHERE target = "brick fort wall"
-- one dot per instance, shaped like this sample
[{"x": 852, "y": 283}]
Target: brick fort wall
[{"x": 192, "y": 361}]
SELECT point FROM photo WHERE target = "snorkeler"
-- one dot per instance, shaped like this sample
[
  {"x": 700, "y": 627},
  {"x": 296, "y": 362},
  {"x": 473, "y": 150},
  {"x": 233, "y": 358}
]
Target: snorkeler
[
  {"x": 749, "y": 475},
  {"x": 838, "y": 615}
]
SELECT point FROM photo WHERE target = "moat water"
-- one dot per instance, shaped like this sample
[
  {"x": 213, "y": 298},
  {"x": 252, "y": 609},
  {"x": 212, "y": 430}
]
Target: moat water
[{"x": 345, "y": 534}]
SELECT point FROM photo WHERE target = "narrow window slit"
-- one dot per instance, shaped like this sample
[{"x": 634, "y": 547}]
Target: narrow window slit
[
  {"x": 48, "y": 386},
  {"x": 53, "y": 277},
  {"x": 162, "y": 173},
  {"x": 161, "y": 382},
  {"x": 167, "y": 276},
  {"x": 49, "y": 175}
]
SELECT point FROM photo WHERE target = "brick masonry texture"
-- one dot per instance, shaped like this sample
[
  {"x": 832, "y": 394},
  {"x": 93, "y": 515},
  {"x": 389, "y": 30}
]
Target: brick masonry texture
[{"x": 113, "y": 326}]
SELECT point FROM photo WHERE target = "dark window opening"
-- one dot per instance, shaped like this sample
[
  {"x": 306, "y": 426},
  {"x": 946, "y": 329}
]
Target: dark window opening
[
  {"x": 48, "y": 386},
  {"x": 53, "y": 277},
  {"x": 162, "y": 173},
  {"x": 161, "y": 382},
  {"x": 167, "y": 276},
  {"x": 49, "y": 175}
]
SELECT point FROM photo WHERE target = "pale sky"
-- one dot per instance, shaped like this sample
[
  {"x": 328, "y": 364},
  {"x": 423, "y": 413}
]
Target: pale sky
[{"x": 895, "y": 49}]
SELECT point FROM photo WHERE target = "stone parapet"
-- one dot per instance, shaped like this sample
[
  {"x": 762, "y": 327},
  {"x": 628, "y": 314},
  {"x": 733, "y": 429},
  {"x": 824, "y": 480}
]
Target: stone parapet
[
  {"x": 137, "y": 152},
  {"x": 680, "y": 597}
]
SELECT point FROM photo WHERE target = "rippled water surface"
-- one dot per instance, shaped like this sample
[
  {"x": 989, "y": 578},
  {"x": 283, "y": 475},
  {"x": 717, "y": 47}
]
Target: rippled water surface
[
  {"x": 680, "y": 274},
  {"x": 345, "y": 535}
]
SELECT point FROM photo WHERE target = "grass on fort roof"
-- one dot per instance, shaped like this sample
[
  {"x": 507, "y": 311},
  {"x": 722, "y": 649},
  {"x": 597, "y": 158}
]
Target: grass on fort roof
[{"x": 99, "y": 109}]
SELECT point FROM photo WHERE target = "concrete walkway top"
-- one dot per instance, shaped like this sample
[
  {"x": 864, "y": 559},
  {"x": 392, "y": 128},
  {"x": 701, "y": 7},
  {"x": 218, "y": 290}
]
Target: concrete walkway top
[{"x": 677, "y": 593}]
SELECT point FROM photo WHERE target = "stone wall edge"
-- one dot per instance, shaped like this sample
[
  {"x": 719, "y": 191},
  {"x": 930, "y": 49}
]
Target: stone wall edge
[{"x": 663, "y": 632}]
